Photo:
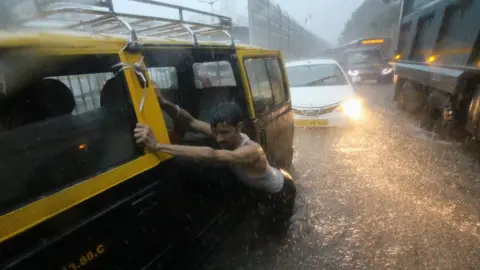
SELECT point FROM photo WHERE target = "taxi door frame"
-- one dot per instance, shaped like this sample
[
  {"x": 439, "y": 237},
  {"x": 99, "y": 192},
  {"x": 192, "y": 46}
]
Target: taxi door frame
[{"x": 277, "y": 141}]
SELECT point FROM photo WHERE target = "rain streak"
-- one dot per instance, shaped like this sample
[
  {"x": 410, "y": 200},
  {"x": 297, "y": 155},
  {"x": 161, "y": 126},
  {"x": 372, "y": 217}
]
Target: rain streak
[{"x": 383, "y": 195}]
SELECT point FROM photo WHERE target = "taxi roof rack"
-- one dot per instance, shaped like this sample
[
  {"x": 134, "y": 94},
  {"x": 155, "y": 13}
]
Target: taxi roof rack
[{"x": 100, "y": 16}]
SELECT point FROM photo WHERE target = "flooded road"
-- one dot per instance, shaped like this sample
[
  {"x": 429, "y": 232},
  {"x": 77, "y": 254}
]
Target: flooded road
[{"x": 384, "y": 195}]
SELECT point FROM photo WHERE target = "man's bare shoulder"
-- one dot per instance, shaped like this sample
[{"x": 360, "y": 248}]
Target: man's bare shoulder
[{"x": 254, "y": 150}]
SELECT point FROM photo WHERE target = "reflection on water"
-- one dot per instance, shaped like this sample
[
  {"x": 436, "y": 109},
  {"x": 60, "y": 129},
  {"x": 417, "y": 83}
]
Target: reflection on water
[{"x": 381, "y": 196}]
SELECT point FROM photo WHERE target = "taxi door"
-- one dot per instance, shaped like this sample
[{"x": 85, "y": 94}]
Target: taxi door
[{"x": 268, "y": 95}]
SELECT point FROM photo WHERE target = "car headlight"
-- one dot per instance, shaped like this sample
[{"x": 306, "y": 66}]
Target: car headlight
[
  {"x": 352, "y": 107},
  {"x": 353, "y": 73},
  {"x": 386, "y": 71}
]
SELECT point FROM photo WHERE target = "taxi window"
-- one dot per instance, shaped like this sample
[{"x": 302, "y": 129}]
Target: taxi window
[
  {"x": 280, "y": 92},
  {"x": 165, "y": 77},
  {"x": 86, "y": 89},
  {"x": 259, "y": 81},
  {"x": 266, "y": 81},
  {"x": 63, "y": 128},
  {"x": 213, "y": 74}
]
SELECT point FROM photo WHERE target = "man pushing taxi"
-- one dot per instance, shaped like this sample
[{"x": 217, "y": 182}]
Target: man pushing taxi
[{"x": 245, "y": 157}]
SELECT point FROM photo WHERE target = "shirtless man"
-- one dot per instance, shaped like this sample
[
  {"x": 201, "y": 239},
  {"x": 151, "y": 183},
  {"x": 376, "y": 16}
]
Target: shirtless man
[{"x": 245, "y": 157}]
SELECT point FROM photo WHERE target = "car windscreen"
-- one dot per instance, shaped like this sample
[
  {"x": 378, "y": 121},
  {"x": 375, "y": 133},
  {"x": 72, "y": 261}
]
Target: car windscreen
[
  {"x": 364, "y": 57},
  {"x": 315, "y": 75}
]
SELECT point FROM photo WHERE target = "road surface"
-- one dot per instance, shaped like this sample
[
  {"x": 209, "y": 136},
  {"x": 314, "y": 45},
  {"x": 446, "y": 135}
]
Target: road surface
[{"x": 385, "y": 195}]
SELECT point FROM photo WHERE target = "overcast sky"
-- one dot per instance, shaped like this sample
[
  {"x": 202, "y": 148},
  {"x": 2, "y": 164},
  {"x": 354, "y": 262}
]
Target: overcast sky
[{"x": 327, "y": 16}]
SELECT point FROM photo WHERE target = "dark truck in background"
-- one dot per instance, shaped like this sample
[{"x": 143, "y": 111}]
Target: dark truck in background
[
  {"x": 437, "y": 65},
  {"x": 365, "y": 59}
]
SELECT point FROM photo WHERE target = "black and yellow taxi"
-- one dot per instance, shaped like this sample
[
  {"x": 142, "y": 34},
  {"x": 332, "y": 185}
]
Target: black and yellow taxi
[{"x": 76, "y": 191}]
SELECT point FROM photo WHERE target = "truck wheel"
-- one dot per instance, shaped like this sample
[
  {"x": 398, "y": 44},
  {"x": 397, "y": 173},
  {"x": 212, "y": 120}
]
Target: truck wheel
[
  {"x": 427, "y": 116},
  {"x": 410, "y": 99},
  {"x": 475, "y": 137},
  {"x": 400, "y": 100},
  {"x": 444, "y": 124},
  {"x": 437, "y": 115}
]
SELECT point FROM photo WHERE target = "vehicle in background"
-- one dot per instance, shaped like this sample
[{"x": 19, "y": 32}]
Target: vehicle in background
[
  {"x": 437, "y": 65},
  {"x": 366, "y": 59},
  {"x": 86, "y": 196},
  {"x": 367, "y": 64},
  {"x": 381, "y": 43},
  {"x": 322, "y": 95}
]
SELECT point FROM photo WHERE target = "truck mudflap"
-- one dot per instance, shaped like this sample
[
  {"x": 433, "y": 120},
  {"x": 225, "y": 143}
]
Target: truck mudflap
[{"x": 443, "y": 78}]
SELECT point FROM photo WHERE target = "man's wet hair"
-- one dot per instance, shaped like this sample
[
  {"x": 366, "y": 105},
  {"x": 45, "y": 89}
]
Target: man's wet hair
[{"x": 228, "y": 113}]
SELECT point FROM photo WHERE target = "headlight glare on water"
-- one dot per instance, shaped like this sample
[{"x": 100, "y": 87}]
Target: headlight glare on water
[{"x": 352, "y": 107}]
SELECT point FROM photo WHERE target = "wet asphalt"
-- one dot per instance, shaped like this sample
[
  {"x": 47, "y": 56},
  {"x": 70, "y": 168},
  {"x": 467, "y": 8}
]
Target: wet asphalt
[{"x": 383, "y": 195}]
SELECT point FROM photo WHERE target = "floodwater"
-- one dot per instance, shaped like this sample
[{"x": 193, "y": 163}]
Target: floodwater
[{"x": 384, "y": 195}]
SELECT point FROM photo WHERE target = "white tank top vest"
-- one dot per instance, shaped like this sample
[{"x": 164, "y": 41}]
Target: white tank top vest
[{"x": 271, "y": 181}]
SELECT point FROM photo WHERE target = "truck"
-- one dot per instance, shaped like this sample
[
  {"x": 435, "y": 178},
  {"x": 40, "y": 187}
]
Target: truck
[
  {"x": 437, "y": 65},
  {"x": 365, "y": 58}
]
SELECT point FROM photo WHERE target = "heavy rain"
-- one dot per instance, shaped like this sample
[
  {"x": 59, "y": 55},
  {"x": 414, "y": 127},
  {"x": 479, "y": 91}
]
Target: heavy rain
[
  {"x": 378, "y": 99},
  {"x": 384, "y": 195}
]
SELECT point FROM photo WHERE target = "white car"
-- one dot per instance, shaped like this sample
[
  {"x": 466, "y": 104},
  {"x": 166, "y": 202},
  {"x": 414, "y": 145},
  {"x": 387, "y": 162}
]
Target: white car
[{"x": 322, "y": 95}]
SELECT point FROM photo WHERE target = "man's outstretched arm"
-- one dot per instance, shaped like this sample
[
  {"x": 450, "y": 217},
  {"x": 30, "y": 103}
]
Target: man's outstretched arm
[
  {"x": 182, "y": 116},
  {"x": 245, "y": 154}
]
